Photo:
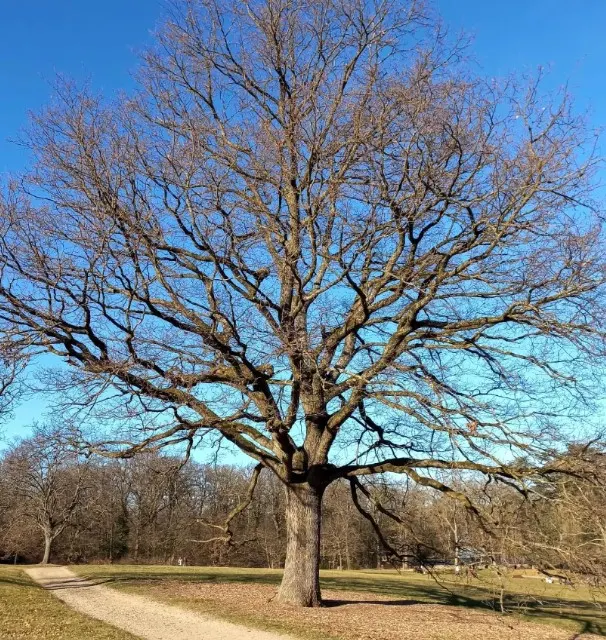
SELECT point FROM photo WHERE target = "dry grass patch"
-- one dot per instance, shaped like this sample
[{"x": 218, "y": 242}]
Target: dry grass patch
[
  {"x": 350, "y": 615},
  {"x": 28, "y": 612},
  {"x": 575, "y": 610}
]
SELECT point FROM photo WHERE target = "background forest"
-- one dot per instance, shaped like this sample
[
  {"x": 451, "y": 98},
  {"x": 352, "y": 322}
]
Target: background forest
[{"x": 58, "y": 506}]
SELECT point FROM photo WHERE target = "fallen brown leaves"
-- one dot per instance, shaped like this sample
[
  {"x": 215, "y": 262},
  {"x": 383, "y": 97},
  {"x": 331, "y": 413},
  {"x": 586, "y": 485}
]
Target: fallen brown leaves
[{"x": 350, "y": 615}]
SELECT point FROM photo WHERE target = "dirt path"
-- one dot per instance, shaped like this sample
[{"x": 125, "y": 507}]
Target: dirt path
[{"x": 140, "y": 616}]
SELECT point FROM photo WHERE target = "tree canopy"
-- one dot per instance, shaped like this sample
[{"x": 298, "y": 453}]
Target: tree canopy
[{"x": 315, "y": 232}]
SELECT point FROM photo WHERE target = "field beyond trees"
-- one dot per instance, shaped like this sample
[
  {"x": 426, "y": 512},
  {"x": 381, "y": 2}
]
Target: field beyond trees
[{"x": 373, "y": 605}]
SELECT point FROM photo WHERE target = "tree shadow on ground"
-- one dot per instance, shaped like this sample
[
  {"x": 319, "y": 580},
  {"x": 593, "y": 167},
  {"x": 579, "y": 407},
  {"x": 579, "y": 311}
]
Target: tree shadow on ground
[
  {"x": 17, "y": 581},
  {"x": 330, "y": 603},
  {"x": 584, "y": 616},
  {"x": 153, "y": 575}
]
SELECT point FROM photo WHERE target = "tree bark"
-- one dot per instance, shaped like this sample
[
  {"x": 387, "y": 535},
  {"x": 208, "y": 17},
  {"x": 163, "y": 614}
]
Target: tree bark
[
  {"x": 48, "y": 541},
  {"x": 301, "y": 582}
]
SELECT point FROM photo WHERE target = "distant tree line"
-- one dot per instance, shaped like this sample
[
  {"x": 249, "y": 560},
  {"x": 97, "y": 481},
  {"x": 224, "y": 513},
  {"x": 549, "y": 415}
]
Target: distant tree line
[{"x": 58, "y": 506}]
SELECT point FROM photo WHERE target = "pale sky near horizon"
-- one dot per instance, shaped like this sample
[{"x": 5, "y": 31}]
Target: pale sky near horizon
[{"x": 99, "y": 41}]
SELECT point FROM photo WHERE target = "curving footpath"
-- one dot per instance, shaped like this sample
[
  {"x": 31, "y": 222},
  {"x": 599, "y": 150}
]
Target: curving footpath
[{"x": 140, "y": 616}]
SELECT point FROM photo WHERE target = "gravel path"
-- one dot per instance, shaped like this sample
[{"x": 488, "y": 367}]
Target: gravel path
[{"x": 140, "y": 616}]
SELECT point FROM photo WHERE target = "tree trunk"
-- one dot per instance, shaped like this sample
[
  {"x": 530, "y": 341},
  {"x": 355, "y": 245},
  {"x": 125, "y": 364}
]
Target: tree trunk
[
  {"x": 457, "y": 550},
  {"x": 48, "y": 541},
  {"x": 301, "y": 582},
  {"x": 347, "y": 551},
  {"x": 136, "y": 547}
]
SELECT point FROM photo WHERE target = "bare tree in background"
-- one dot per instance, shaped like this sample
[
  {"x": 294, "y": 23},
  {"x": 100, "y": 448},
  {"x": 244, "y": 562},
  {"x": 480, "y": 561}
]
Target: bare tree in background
[
  {"x": 48, "y": 480},
  {"x": 562, "y": 527},
  {"x": 315, "y": 234}
]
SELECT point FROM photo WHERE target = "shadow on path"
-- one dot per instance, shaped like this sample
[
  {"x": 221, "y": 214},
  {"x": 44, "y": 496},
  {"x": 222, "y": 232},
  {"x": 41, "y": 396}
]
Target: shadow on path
[{"x": 586, "y": 616}]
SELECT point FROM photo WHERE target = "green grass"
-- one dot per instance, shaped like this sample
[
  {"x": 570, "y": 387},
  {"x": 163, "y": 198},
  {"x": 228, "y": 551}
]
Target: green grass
[
  {"x": 577, "y": 609},
  {"x": 28, "y": 612}
]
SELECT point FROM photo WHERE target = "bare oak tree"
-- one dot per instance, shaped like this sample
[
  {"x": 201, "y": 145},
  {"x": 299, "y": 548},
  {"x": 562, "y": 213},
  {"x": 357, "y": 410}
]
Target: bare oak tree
[
  {"x": 48, "y": 481},
  {"x": 315, "y": 233}
]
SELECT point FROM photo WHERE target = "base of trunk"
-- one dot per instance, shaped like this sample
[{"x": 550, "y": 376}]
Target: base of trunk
[
  {"x": 47, "y": 550},
  {"x": 301, "y": 582}
]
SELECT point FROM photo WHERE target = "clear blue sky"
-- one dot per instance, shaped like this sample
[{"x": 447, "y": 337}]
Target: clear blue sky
[{"x": 99, "y": 40}]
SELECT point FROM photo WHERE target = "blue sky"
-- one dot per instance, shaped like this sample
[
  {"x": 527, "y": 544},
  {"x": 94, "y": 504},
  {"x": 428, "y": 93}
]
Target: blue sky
[{"x": 98, "y": 41}]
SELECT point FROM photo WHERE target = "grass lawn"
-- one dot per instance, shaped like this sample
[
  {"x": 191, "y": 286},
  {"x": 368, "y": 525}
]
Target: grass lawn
[
  {"x": 577, "y": 610},
  {"x": 28, "y": 612}
]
